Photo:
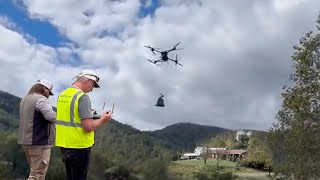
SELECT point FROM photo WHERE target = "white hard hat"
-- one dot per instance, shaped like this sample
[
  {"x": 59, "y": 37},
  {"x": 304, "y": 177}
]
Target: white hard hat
[
  {"x": 90, "y": 74},
  {"x": 46, "y": 83}
]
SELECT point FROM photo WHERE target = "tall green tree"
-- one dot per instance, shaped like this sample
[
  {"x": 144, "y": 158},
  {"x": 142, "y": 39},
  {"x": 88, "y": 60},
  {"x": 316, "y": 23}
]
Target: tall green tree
[
  {"x": 206, "y": 153},
  {"x": 295, "y": 137},
  {"x": 12, "y": 154},
  {"x": 242, "y": 143},
  {"x": 219, "y": 142},
  {"x": 258, "y": 153}
]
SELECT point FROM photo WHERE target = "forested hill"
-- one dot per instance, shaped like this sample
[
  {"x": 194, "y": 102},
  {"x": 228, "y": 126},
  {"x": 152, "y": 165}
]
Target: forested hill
[
  {"x": 9, "y": 103},
  {"x": 9, "y": 111},
  {"x": 180, "y": 137},
  {"x": 186, "y": 136}
]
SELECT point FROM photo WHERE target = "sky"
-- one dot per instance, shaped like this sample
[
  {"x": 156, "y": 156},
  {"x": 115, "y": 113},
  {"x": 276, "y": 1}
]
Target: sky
[{"x": 236, "y": 55}]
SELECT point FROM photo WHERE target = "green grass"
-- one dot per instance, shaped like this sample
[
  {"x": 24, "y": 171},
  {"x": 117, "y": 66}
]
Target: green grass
[
  {"x": 184, "y": 169},
  {"x": 209, "y": 162}
]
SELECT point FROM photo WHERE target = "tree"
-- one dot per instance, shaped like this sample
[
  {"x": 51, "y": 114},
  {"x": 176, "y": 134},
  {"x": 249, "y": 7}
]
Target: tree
[
  {"x": 258, "y": 153},
  {"x": 218, "y": 142},
  {"x": 242, "y": 142},
  {"x": 206, "y": 153},
  {"x": 295, "y": 137},
  {"x": 12, "y": 154}
]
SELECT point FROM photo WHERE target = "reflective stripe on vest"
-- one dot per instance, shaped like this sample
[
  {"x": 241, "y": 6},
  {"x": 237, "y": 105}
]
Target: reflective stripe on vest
[
  {"x": 69, "y": 131},
  {"x": 71, "y": 123}
]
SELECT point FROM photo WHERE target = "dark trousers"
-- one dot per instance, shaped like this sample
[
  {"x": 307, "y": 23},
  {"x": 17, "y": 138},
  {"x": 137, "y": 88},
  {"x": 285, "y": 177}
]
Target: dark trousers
[{"x": 76, "y": 162}]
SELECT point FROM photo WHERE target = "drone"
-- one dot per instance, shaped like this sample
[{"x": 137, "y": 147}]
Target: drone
[{"x": 164, "y": 55}]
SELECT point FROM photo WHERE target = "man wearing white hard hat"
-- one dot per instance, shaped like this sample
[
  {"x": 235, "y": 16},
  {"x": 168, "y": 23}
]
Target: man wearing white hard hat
[
  {"x": 75, "y": 125},
  {"x": 37, "y": 128}
]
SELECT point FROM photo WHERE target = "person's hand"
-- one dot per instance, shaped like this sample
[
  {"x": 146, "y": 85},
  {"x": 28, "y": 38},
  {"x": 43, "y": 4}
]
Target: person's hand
[{"x": 106, "y": 116}]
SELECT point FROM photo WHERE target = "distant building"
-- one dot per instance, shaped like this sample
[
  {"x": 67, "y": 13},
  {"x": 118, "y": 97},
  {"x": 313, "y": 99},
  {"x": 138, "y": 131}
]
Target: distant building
[
  {"x": 234, "y": 154},
  {"x": 217, "y": 153},
  {"x": 190, "y": 156},
  {"x": 198, "y": 151}
]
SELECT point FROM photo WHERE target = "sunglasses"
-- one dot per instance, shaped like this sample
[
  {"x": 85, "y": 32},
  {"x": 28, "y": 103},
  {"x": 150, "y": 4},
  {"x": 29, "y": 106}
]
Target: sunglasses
[{"x": 97, "y": 78}]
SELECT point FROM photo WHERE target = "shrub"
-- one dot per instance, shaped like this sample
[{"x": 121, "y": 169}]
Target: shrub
[{"x": 210, "y": 172}]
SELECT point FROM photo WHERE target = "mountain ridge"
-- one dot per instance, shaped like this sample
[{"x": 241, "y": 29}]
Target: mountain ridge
[
  {"x": 10, "y": 104},
  {"x": 179, "y": 136}
]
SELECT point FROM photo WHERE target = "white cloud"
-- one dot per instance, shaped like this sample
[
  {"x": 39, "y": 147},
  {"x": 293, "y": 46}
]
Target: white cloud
[
  {"x": 286, "y": 5},
  {"x": 4, "y": 21},
  {"x": 236, "y": 57},
  {"x": 86, "y": 19}
]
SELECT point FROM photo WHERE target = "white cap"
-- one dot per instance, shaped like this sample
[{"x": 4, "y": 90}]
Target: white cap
[
  {"x": 90, "y": 74},
  {"x": 46, "y": 83}
]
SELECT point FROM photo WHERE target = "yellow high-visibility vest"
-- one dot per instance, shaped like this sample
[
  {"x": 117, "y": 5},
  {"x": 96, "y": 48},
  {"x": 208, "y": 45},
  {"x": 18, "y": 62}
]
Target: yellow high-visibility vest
[{"x": 69, "y": 131}]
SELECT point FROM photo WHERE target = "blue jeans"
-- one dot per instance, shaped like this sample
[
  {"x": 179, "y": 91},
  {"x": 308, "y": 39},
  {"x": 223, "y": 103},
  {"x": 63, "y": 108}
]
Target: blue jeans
[{"x": 76, "y": 162}]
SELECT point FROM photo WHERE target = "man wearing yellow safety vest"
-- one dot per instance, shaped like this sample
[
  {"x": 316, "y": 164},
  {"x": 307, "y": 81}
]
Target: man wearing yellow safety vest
[{"x": 75, "y": 126}]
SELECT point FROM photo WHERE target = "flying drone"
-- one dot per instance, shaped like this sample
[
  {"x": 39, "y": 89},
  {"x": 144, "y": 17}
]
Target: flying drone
[{"x": 164, "y": 55}]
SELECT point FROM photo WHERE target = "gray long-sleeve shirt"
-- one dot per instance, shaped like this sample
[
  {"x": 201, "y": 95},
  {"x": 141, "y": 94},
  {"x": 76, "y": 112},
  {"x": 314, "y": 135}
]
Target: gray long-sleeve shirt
[
  {"x": 37, "y": 122},
  {"x": 44, "y": 106}
]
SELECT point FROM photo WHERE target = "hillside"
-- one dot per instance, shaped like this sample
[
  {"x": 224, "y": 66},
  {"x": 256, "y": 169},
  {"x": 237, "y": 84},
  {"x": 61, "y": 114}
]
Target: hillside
[
  {"x": 131, "y": 144},
  {"x": 116, "y": 143},
  {"x": 181, "y": 136},
  {"x": 114, "y": 136},
  {"x": 178, "y": 137},
  {"x": 186, "y": 136},
  {"x": 9, "y": 103},
  {"x": 9, "y": 111}
]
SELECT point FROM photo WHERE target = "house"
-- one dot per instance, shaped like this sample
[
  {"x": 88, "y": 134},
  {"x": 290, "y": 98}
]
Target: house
[
  {"x": 190, "y": 156},
  {"x": 234, "y": 154},
  {"x": 229, "y": 154},
  {"x": 195, "y": 155},
  {"x": 217, "y": 153},
  {"x": 198, "y": 151}
]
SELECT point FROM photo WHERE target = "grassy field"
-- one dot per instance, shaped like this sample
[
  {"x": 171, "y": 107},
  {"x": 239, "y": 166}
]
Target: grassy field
[{"x": 184, "y": 169}]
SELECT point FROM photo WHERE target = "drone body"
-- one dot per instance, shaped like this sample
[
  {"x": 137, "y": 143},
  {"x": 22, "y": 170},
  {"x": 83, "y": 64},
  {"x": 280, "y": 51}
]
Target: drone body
[{"x": 164, "y": 55}]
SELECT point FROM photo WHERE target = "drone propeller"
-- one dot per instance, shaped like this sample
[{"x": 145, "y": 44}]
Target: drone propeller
[
  {"x": 176, "y": 61},
  {"x": 153, "y": 49},
  {"x": 175, "y": 47},
  {"x": 154, "y": 62}
]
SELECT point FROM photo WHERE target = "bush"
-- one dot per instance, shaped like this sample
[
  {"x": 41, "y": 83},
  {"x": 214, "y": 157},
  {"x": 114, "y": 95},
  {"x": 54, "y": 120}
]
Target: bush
[
  {"x": 117, "y": 173},
  {"x": 210, "y": 172},
  {"x": 153, "y": 169}
]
